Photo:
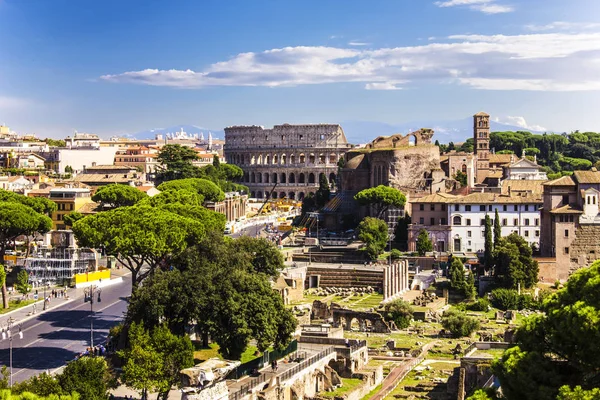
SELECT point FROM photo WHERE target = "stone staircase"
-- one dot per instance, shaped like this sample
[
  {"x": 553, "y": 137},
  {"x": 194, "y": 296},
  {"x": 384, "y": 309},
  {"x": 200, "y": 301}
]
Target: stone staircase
[
  {"x": 585, "y": 249},
  {"x": 345, "y": 278}
]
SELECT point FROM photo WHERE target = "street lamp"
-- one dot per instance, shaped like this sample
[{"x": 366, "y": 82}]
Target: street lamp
[
  {"x": 7, "y": 334},
  {"x": 89, "y": 296}
]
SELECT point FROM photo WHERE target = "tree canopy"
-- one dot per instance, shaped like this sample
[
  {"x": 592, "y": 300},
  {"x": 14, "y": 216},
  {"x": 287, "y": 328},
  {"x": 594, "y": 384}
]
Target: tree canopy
[
  {"x": 400, "y": 312},
  {"x": 223, "y": 285},
  {"x": 558, "y": 347},
  {"x": 381, "y": 198},
  {"x": 144, "y": 235},
  {"x": 209, "y": 190},
  {"x": 374, "y": 232},
  {"x": 424, "y": 243},
  {"x": 514, "y": 263},
  {"x": 113, "y": 196},
  {"x": 176, "y": 163}
]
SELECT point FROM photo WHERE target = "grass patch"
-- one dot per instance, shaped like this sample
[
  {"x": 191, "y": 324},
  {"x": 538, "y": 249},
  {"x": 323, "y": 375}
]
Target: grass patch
[
  {"x": 372, "y": 392},
  {"x": 348, "y": 385},
  {"x": 16, "y": 304}
]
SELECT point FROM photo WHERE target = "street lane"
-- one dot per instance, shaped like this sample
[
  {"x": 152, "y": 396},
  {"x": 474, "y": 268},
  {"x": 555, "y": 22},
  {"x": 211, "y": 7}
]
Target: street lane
[{"x": 58, "y": 335}]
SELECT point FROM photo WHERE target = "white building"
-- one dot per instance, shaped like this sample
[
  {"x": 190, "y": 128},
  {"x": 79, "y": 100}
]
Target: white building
[
  {"x": 79, "y": 159},
  {"x": 524, "y": 169},
  {"x": 85, "y": 140},
  {"x": 517, "y": 214}
]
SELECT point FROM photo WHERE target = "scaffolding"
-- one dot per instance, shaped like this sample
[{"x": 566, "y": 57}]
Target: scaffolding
[{"x": 59, "y": 265}]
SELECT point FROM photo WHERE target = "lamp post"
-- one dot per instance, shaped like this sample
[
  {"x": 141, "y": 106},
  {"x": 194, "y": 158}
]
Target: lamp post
[
  {"x": 89, "y": 297},
  {"x": 313, "y": 215},
  {"x": 7, "y": 334}
]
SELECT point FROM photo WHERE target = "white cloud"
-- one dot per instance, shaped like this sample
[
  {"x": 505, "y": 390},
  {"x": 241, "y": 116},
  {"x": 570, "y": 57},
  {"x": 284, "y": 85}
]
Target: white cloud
[
  {"x": 484, "y": 6},
  {"x": 533, "y": 62},
  {"x": 564, "y": 26},
  {"x": 358, "y": 44},
  {"x": 521, "y": 122}
]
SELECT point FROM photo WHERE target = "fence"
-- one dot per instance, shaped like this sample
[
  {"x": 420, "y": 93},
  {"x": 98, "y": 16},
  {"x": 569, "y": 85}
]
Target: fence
[
  {"x": 247, "y": 388},
  {"x": 258, "y": 363}
]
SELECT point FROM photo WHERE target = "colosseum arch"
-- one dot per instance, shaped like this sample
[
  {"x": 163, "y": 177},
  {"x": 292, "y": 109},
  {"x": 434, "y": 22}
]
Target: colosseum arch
[
  {"x": 282, "y": 178},
  {"x": 266, "y": 179},
  {"x": 252, "y": 178},
  {"x": 275, "y": 158},
  {"x": 283, "y": 159},
  {"x": 292, "y": 159},
  {"x": 333, "y": 158},
  {"x": 259, "y": 194},
  {"x": 292, "y": 195},
  {"x": 253, "y": 195},
  {"x": 301, "y": 196},
  {"x": 301, "y": 178},
  {"x": 253, "y": 160},
  {"x": 311, "y": 158},
  {"x": 321, "y": 158},
  {"x": 282, "y": 195},
  {"x": 267, "y": 159},
  {"x": 311, "y": 178},
  {"x": 292, "y": 178},
  {"x": 302, "y": 158},
  {"x": 274, "y": 177}
]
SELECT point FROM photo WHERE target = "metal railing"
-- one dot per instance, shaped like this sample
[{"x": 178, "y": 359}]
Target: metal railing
[{"x": 247, "y": 388}]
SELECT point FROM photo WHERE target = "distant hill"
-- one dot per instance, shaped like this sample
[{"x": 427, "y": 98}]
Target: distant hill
[
  {"x": 190, "y": 129},
  {"x": 445, "y": 131}
]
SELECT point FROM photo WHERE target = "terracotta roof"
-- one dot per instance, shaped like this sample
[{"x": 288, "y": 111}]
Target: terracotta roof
[
  {"x": 501, "y": 158},
  {"x": 495, "y": 174},
  {"x": 145, "y": 188},
  {"x": 568, "y": 209},
  {"x": 105, "y": 167},
  {"x": 103, "y": 178},
  {"x": 587, "y": 176},
  {"x": 523, "y": 185},
  {"x": 492, "y": 198},
  {"x": 435, "y": 198},
  {"x": 562, "y": 181},
  {"x": 90, "y": 208}
]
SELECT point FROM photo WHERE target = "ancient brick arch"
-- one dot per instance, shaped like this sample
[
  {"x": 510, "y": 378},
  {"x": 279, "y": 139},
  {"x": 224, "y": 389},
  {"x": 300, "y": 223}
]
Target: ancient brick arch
[{"x": 343, "y": 317}]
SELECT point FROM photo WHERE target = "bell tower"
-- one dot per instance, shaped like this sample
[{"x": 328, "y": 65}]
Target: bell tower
[{"x": 481, "y": 142}]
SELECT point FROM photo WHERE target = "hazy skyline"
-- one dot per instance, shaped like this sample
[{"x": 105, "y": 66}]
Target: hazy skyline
[{"x": 116, "y": 67}]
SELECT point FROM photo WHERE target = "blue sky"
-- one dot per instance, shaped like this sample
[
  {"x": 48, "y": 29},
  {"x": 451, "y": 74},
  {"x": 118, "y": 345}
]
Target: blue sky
[{"x": 115, "y": 66}]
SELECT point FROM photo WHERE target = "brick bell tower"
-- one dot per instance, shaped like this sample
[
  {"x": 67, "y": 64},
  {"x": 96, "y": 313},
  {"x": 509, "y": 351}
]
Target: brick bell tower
[{"x": 481, "y": 141}]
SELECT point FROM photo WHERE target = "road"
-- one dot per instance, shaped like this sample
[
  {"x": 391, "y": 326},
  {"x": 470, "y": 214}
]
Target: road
[
  {"x": 252, "y": 230},
  {"x": 58, "y": 335}
]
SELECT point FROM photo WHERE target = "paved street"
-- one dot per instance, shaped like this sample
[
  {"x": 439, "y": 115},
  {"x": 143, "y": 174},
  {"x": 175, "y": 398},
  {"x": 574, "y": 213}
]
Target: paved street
[
  {"x": 56, "y": 335},
  {"x": 252, "y": 231}
]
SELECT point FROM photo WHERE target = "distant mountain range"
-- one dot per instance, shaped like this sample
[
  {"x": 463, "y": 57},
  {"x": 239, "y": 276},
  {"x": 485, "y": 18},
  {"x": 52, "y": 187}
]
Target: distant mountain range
[{"x": 358, "y": 132}]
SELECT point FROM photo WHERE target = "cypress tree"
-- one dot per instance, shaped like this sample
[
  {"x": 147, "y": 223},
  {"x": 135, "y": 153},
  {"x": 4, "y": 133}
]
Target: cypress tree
[
  {"x": 497, "y": 229},
  {"x": 487, "y": 254}
]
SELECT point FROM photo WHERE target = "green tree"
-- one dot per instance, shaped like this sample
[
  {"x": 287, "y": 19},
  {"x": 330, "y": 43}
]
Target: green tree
[
  {"x": 176, "y": 163},
  {"x": 459, "y": 324},
  {"x": 55, "y": 143},
  {"x": 204, "y": 187},
  {"x": 469, "y": 289},
  {"x": 374, "y": 232},
  {"x": 461, "y": 178},
  {"x": 483, "y": 394},
  {"x": 264, "y": 256},
  {"x": 488, "y": 258},
  {"x": 322, "y": 194},
  {"x": 173, "y": 196},
  {"x": 577, "y": 393},
  {"x": 216, "y": 163},
  {"x": 68, "y": 169},
  {"x": 88, "y": 376},
  {"x": 145, "y": 236},
  {"x": 514, "y": 262},
  {"x": 456, "y": 273},
  {"x": 558, "y": 347},
  {"x": 41, "y": 385},
  {"x": 17, "y": 219},
  {"x": 22, "y": 285},
  {"x": 424, "y": 243},
  {"x": 497, "y": 228},
  {"x": 381, "y": 198},
  {"x": 10, "y": 395},
  {"x": 114, "y": 196},
  {"x": 400, "y": 312},
  {"x": 72, "y": 217}
]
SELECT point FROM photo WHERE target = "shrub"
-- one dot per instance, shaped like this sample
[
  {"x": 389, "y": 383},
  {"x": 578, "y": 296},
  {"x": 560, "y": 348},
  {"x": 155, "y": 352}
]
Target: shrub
[
  {"x": 482, "y": 304},
  {"x": 459, "y": 324},
  {"x": 400, "y": 312},
  {"x": 395, "y": 254},
  {"x": 505, "y": 299}
]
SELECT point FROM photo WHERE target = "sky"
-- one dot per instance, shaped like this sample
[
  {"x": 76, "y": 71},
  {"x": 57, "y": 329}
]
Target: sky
[{"x": 112, "y": 67}]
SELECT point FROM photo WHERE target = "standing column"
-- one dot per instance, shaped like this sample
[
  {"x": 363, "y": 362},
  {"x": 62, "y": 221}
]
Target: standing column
[
  {"x": 386, "y": 278},
  {"x": 399, "y": 275}
]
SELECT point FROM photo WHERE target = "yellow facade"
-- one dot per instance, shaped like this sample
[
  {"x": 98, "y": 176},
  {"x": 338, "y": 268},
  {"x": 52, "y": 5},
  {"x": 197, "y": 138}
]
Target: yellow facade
[
  {"x": 67, "y": 201},
  {"x": 91, "y": 276}
]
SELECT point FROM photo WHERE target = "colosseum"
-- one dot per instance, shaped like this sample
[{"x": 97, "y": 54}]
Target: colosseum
[{"x": 287, "y": 159}]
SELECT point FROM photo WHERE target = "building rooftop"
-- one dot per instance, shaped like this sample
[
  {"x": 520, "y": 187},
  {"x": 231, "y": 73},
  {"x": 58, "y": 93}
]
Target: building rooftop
[
  {"x": 435, "y": 198},
  {"x": 568, "y": 209},
  {"x": 536, "y": 187},
  {"x": 562, "y": 181},
  {"x": 501, "y": 158},
  {"x": 481, "y": 114},
  {"x": 592, "y": 176},
  {"x": 494, "y": 198},
  {"x": 107, "y": 167}
]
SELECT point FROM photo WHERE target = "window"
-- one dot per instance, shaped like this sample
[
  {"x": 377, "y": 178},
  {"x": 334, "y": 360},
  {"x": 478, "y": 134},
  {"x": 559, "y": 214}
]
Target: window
[
  {"x": 565, "y": 199},
  {"x": 482, "y": 222},
  {"x": 422, "y": 221},
  {"x": 561, "y": 218},
  {"x": 443, "y": 221},
  {"x": 566, "y": 233},
  {"x": 421, "y": 207},
  {"x": 432, "y": 207},
  {"x": 570, "y": 218},
  {"x": 505, "y": 208},
  {"x": 456, "y": 220},
  {"x": 468, "y": 233},
  {"x": 566, "y": 250},
  {"x": 443, "y": 207},
  {"x": 516, "y": 208},
  {"x": 468, "y": 222},
  {"x": 526, "y": 233},
  {"x": 301, "y": 137},
  {"x": 456, "y": 207},
  {"x": 504, "y": 222},
  {"x": 467, "y": 208},
  {"x": 526, "y": 221},
  {"x": 490, "y": 207},
  {"x": 432, "y": 221},
  {"x": 526, "y": 207},
  {"x": 516, "y": 222},
  {"x": 537, "y": 233},
  {"x": 482, "y": 208},
  {"x": 537, "y": 221}
]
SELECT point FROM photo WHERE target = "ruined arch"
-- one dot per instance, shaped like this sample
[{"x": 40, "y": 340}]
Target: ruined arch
[
  {"x": 321, "y": 158},
  {"x": 292, "y": 195}
]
